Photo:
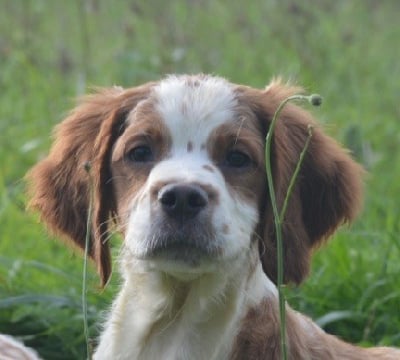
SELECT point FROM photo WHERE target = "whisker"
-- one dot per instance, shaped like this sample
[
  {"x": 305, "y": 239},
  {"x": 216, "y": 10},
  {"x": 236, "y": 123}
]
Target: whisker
[
  {"x": 245, "y": 190},
  {"x": 242, "y": 119},
  {"x": 261, "y": 243},
  {"x": 114, "y": 178}
]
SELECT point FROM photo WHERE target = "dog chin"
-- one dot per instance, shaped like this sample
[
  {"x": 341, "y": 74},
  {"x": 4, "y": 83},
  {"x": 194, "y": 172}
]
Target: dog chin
[
  {"x": 182, "y": 260},
  {"x": 180, "y": 270}
]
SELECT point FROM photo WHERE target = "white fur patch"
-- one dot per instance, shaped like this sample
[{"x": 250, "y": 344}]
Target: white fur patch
[{"x": 191, "y": 111}]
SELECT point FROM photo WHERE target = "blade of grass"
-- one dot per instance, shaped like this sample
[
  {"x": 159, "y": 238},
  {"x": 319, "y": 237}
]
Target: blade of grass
[
  {"x": 295, "y": 174},
  {"x": 279, "y": 216},
  {"x": 87, "y": 167}
]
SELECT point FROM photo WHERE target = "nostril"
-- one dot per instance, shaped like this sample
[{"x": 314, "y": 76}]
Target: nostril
[
  {"x": 197, "y": 200},
  {"x": 168, "y": 198},
  {"x": 182, "y": 201}
]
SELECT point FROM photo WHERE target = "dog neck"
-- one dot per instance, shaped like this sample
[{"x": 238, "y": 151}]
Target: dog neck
[{"x": 158, "y": 315}]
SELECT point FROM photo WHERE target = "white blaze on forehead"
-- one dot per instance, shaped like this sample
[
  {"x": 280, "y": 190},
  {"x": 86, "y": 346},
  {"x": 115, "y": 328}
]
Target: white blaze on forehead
[
  {"x": 194, "y": 106},
  {"x": 191, "y": 108}
]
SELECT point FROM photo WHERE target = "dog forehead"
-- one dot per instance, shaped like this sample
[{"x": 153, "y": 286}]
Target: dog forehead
[{"x": 193, "y": 106}]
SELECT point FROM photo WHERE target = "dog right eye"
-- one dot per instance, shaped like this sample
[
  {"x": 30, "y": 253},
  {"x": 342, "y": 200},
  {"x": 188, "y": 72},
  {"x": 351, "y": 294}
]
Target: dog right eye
[
  {"x": 237, "y": 159},
  {"x": 140, "y": 154}
]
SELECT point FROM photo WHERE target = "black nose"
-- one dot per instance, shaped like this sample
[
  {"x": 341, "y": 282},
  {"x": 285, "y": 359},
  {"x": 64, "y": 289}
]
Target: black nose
[{"x": 182, "y": 201}]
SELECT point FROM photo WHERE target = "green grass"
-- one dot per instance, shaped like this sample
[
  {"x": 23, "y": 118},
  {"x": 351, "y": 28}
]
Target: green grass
[{"x": 344, "y": 50}]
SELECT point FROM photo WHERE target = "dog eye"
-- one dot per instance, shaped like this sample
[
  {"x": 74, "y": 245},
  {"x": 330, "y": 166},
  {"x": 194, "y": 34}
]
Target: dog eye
[
  {"x": 140, "y": 154},
  {"x": 237, "y": 159}
]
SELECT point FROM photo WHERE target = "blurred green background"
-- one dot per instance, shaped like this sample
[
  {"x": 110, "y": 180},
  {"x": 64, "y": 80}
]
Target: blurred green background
[{"x": 348, "y": 51}]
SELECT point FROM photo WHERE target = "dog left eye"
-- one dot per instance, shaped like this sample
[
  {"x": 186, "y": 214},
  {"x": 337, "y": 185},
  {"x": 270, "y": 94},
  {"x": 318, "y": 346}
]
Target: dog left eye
[
  {"x": 140, "y": 154},
  {"x": 237, "y": 159}
]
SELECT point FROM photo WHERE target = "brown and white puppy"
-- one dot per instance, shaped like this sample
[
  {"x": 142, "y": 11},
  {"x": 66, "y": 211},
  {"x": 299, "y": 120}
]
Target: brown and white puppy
[{"x": 178, "y": 167}]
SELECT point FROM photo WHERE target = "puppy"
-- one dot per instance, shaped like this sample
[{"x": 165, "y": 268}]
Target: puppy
[{"x": 178, "y": 168}]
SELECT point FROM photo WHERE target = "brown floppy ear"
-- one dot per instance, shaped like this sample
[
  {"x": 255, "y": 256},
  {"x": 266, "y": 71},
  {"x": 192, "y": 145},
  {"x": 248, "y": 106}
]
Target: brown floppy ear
[
  {"x": 59, "y": 185},
  {"x": 328, "y": 189}
]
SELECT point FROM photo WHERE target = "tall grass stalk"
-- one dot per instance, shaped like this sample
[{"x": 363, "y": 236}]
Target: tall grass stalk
[
  {"x": 279, "y": 216},
  {"x": 87, "y": 167}
]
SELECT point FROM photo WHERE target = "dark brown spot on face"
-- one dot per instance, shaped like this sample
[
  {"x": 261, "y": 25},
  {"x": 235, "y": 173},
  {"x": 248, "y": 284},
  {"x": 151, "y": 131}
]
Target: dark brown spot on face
[
  {"x": 203, "y": 147},
  {"x": 189, "y": 146},
  {"x": 225, "y": 229}
]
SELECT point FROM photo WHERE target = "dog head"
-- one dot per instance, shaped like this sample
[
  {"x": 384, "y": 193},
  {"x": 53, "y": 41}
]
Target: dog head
[{"x": 179, "y": 167}]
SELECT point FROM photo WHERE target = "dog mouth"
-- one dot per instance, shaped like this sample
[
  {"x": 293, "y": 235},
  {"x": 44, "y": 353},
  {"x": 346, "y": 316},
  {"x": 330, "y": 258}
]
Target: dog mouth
[
  {"x": 191, "y": 244},
  {"x": 176, "y": 251}
]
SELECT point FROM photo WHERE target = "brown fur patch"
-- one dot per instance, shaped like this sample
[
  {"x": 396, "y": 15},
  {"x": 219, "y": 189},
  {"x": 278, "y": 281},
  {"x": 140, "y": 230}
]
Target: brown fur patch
[
  {"x": 59, "y": 187},
  {"x": 245, "y": 136},
  {"x": 259, "y": 338},
  {"x": 327, "y": 192},
  {"x": 145, "y": 127}
]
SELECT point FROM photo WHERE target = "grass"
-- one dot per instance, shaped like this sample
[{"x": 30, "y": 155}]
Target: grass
[
  {"x": 279, "y": 215},
  {"x": 51, "y": 53}
]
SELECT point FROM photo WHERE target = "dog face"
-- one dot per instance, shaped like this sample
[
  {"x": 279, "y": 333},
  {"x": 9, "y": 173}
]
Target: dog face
[
  {"x": 187, "y": 174},
  {"x": 179, "y": 166}
]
